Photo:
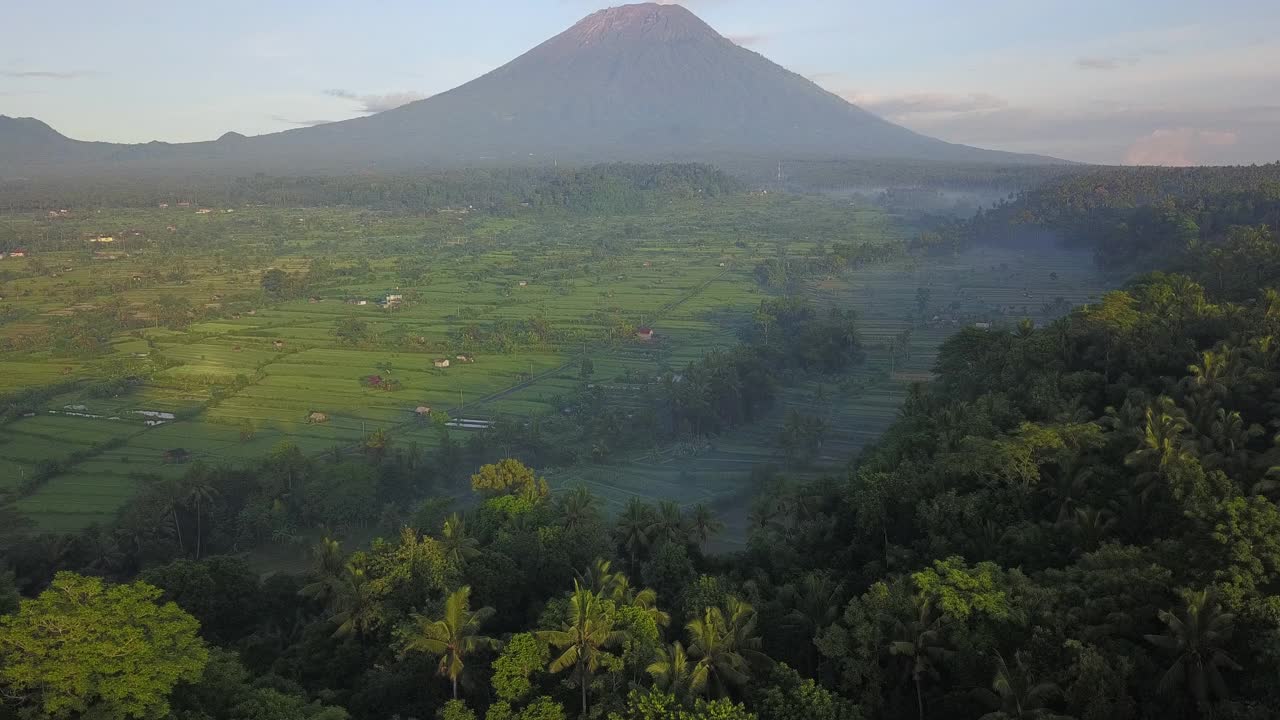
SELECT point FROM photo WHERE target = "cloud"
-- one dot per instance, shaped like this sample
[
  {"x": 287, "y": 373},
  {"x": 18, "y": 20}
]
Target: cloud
[
  {"x": 300, "y": 123},
  {"x": 748, "y": 39},
  {"x": 1104, "y": 62},
  {"x": 896, "y": 106},
  {"x": 1176, "y": 146},
  {"x": 375, "y": 103},
  {"x": 43, "y": 74}
]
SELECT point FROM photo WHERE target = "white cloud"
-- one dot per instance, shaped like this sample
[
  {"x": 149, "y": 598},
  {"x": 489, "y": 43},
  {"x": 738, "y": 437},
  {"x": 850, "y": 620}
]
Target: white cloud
[
  {"x": 376, "y": 103},
  {"x": 1177, "y": 146}
]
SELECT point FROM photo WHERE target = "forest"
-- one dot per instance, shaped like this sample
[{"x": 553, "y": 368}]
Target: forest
[{"x": 1076, "y": 519}]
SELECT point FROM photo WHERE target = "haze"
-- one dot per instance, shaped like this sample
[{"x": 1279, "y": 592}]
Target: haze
[{"x": 1177, "y": 83}]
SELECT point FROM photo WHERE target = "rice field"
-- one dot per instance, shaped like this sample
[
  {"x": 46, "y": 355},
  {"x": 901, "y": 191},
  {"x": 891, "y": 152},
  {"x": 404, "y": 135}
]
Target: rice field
[{"x": 255, "y": 372}]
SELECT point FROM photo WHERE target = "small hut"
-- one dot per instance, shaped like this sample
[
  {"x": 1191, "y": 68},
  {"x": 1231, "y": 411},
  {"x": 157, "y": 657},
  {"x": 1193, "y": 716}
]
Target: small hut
[
  {"x": 441, "y": 362},
  {"x": 278, "y": 344},
  {"x": 422, "y": 411},
  {"x": 465, "y": 358},
  {"x": 317, "y": 418},
  {"x": 644, "y": 333}
]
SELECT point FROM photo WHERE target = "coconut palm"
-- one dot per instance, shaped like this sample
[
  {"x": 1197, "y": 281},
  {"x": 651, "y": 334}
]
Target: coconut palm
[
  {"x": 198, "y": 492},
  {"x": 328, "y": 564},
  {"x": 672, "y": 671},
  {"x": 1014, "y": 696},
  {"x": 724, "y": 643},
  {"x": 632, "y": 530},
  {"x": 357, "y": 603},
  {"x": 453, "y": 636},
  {"x": 703, "y": 524},
  {"x": 578, "y": 509},
  {"x": 1162, "y": 444},
  {"x": 584, "y": 639},
  {"x": 815, "y": 602},
  {"x": 667, "y": 526},
  {"x": 1196, "y": 637},
  {"x": 920, "y": 640},
  {"x": 457, "y": 545}
]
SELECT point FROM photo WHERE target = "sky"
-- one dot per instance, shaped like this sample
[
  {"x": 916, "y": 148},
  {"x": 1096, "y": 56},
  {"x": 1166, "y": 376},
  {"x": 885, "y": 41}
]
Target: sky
[{"x": 1173, "y": 82}]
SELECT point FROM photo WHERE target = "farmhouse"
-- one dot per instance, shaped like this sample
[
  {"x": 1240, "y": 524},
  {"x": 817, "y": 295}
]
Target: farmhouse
[
  {"x": 317, "y": 418},
  {"x": 176, "y": 456},
  {"x": 17, "y": 252},
  {"x": 277, "y": 344},
  {"x": 465, "y": 358},
  {"x": 644, "y": 333},
  {"x": 422, "y": 411},
  {"x": 392, "y": 301},
  {"x": 523, "y": 283},
  {"x": 441, "y": 362},
  {"x": 357, "y": 301}
]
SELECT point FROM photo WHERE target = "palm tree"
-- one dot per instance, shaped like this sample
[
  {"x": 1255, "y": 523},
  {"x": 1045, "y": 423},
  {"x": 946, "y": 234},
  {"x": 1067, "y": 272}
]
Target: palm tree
[
  {"x": 328, "y": 566},
  {"x": 458, "y": 546},
  {"x": 815, "y": 603},
  {"x": 578, "y": 508},
  {"x": 198, "y": 491},
  {"x": 583, "y": 639},
  {"x": 667, "y": 526},
  {"x": 703, "y": 524},
  {"x": 453, "y": 637},
  {"x": 1092, "y": 525},
  {"x": 724, "y": 643},
  {"x": 357, "y": 603},
  {"x": 171, "y": 496},
  {"x": 632, "y": 530},
  {"x": 1013, "y": 696},
  {"x": 1196, "y": 637},
  {"x": 672, "y": 671},
  {"x": 1162, "y": 446},
  {"x": 921, "y": 641}
]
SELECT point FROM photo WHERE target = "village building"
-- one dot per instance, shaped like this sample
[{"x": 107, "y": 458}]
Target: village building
[
  {"x": 317, "y": 418},
  {"x": 17, "y": 252},
  {"x": 422, "y": 411},
  {"x": 465, "y": 358},
  {"x": 523, "y": 283},
  {"x": 644, "y": 333},
  {"x": 441, "y": 362},
  {"x": 277, "y": 344}
]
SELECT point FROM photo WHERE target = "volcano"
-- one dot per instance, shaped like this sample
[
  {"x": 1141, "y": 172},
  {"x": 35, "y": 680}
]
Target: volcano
[{"x": 642, "y": 82}]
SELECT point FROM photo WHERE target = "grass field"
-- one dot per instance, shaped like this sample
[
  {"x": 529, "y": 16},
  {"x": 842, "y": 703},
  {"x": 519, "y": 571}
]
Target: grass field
[{"x": 249, "y": 371}]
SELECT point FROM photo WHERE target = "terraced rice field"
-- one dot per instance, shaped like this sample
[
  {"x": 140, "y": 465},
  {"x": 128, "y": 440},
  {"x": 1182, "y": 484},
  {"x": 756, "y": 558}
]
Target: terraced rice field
[{"x": 250, "y": 375}]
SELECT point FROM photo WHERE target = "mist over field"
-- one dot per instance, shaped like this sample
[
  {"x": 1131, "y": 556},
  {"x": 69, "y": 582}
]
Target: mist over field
[{"x": 639, "y": 377}]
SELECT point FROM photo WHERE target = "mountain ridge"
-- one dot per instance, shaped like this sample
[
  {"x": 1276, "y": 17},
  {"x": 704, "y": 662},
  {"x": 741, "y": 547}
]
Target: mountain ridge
[{"x": 641, "y": 82}]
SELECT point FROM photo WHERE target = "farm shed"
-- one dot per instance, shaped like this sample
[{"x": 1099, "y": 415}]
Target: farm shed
[
  {"x": 441, "y": 362},
  {"x": 422, "y": 411},
  {"x": 317, "y": 418},
  {"x": 644, "y": 333},
  {"x": 465, "y": 358}
]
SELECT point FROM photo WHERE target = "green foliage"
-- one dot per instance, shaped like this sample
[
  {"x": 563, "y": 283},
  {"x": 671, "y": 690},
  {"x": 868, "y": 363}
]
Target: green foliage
[
  {"x": 85, "y": 647},
  {"x": 959, "y": 591},
  {"x": 522, "y": 656},
  {"x": 661, "y": 706},
  {"x": 509, "y": 477}
]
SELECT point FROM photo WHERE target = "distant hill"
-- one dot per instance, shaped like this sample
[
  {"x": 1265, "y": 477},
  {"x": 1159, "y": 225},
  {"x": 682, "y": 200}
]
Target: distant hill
[{"x": 639, "y": 82}]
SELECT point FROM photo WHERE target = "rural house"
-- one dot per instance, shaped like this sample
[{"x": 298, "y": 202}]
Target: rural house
[
  {"x": 17, "y": 252},
  {"x": 317, "y": 418},
  {"x": 465, "y": 358},
  {"x": 523, "y": 283},
  {"x": 278, "y": 344},
  {"x": 422, "y": 411},
  {"x": 644, "y": 333},
  {"x": 441, "y": 362}
]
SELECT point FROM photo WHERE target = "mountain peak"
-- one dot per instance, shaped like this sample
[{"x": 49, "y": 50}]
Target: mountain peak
[{"x": 650, "y": 21}]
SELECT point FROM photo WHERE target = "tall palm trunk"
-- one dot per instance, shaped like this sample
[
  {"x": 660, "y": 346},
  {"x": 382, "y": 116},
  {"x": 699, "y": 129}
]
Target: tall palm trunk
[
  {"x": 199, "y": 528},
  {"x": 455, "y": 687},
  {"x": 177, "y": 527},
  {"x": 919, "y": 695},
  {"x": 582, "y": 677}
]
